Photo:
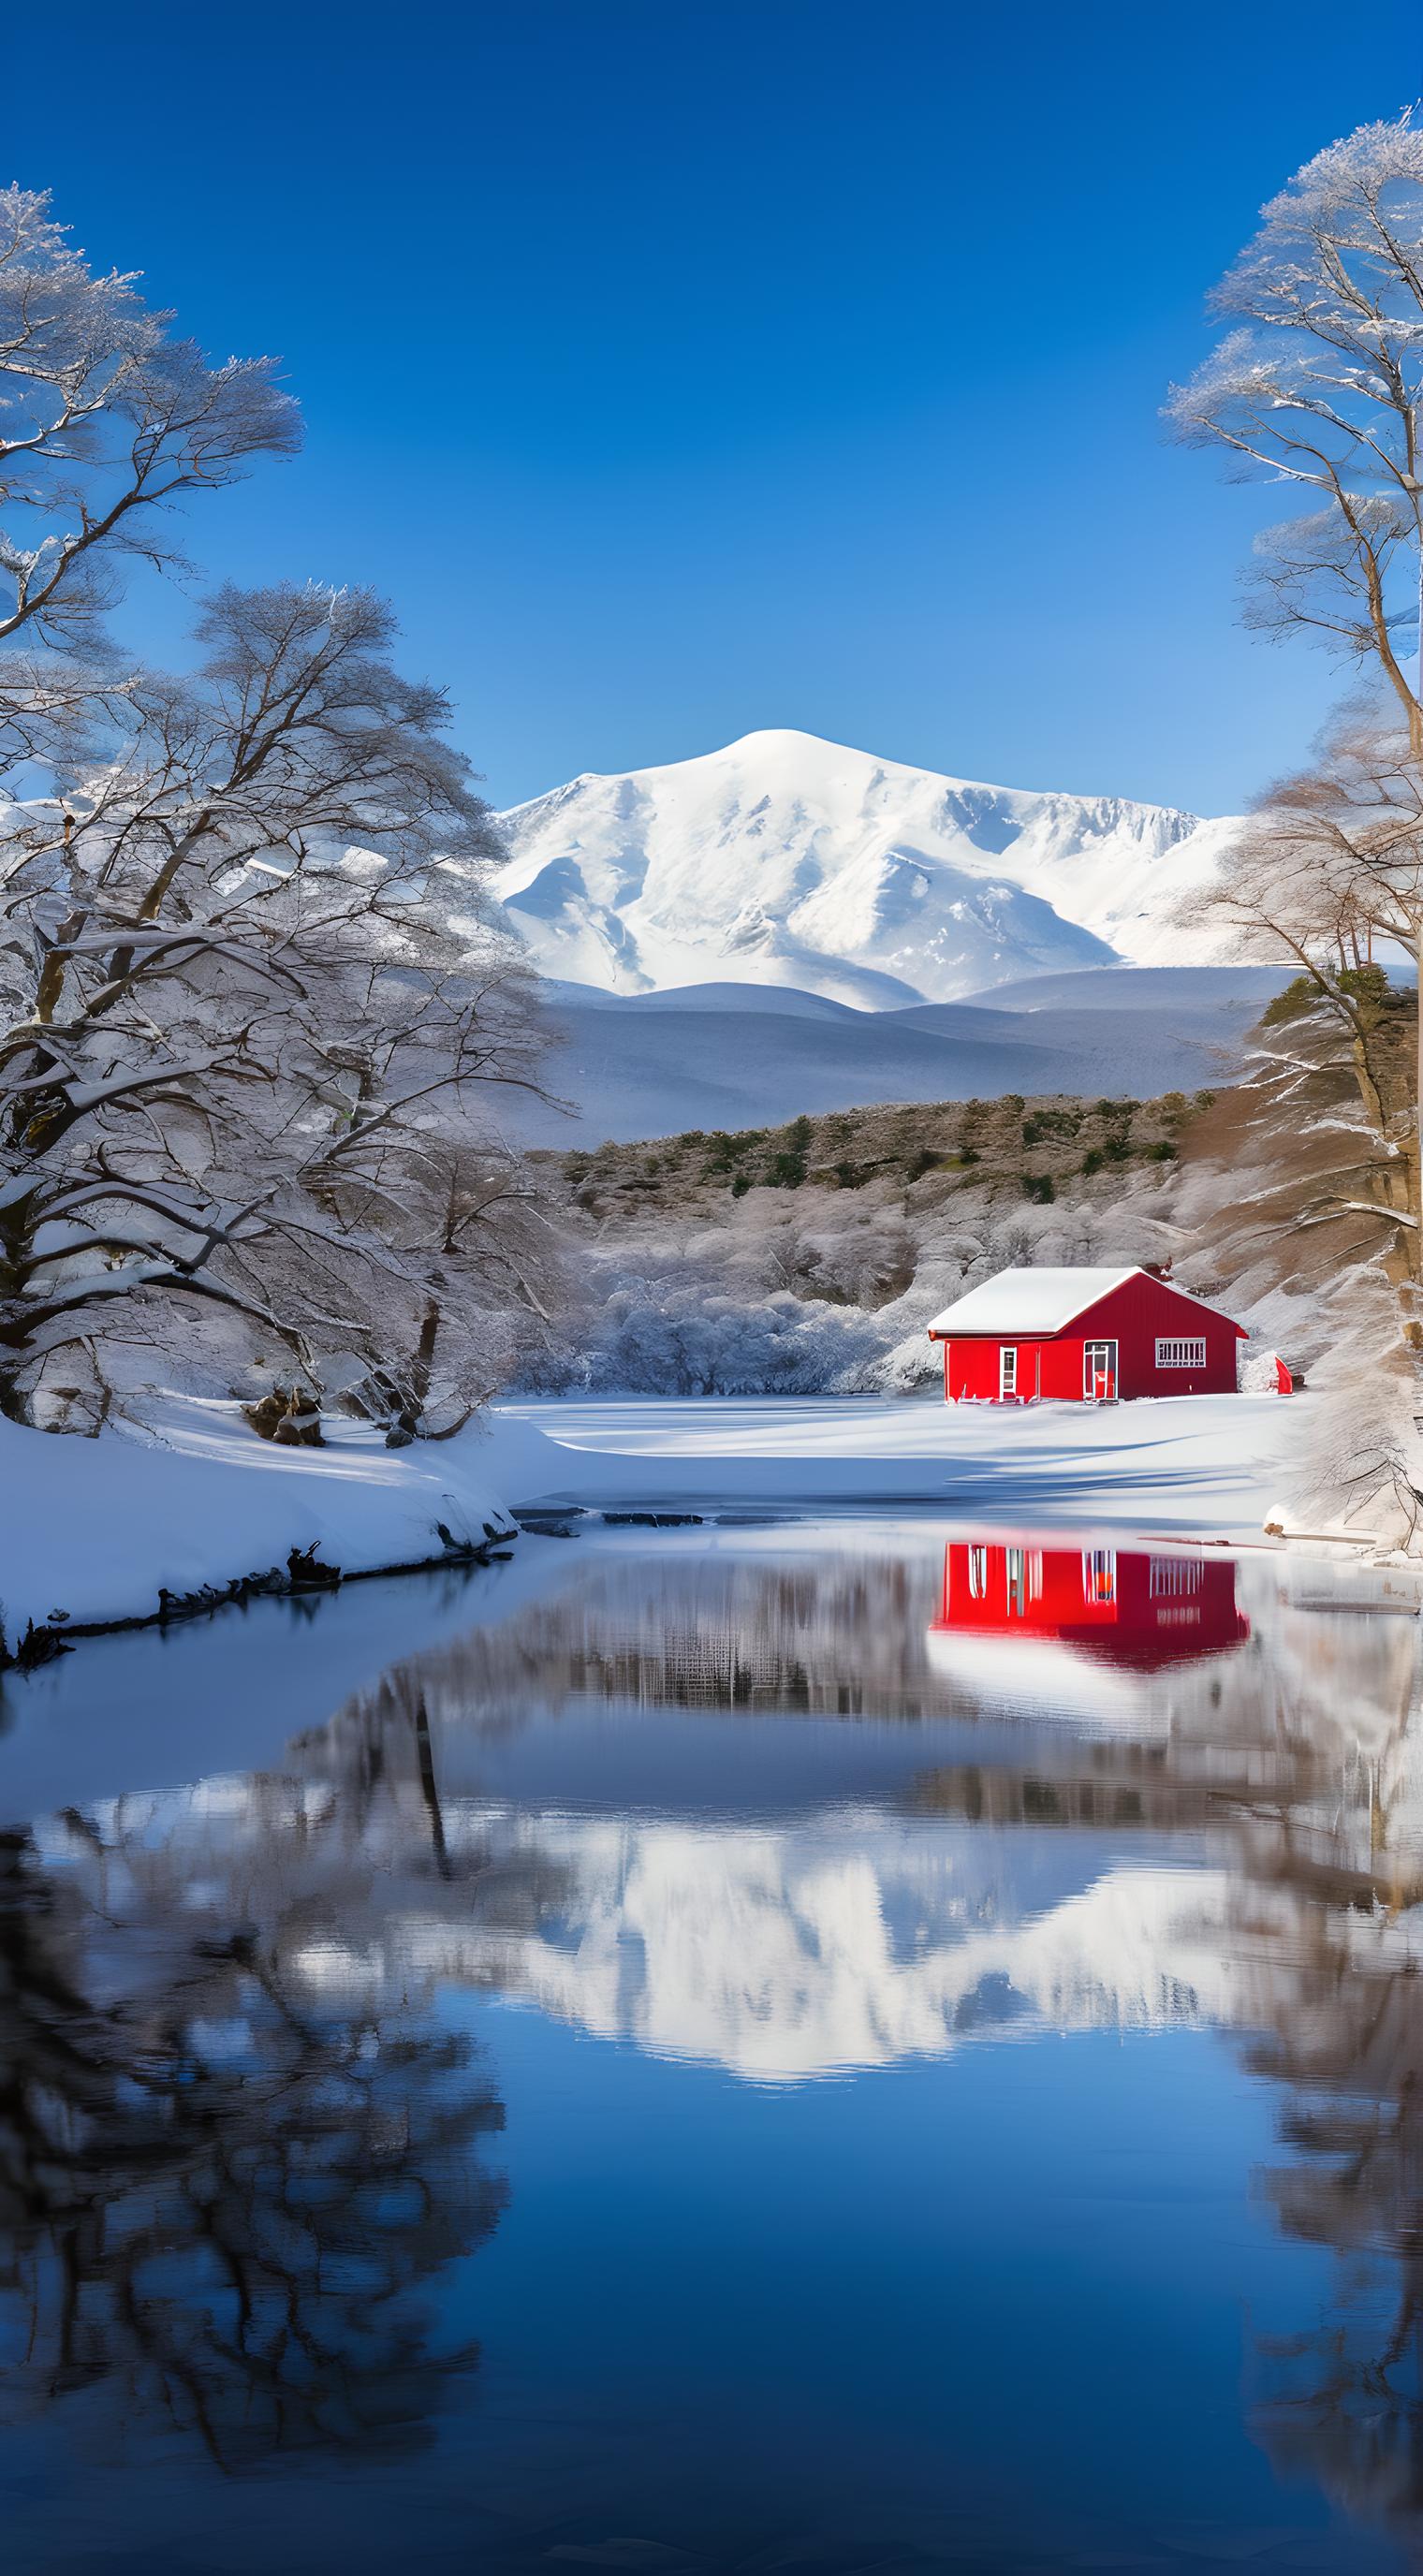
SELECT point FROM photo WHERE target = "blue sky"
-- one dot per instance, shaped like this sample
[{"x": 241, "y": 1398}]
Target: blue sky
[{"x": 686, "y": 366}]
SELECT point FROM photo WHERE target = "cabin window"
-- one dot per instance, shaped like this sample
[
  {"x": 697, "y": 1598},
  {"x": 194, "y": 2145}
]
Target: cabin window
[
  {"x": 1007, "y": 1370},
  {"x": 1022, "y": 1578},
  {"x": 977, "y": 1573},
  {"x": 1178, "y": 1354},
  {"x": 1173, "y": 1575},
  {"x": 1099, "y": 1575}
]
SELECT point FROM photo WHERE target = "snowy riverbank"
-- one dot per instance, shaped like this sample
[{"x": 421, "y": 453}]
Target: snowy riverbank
[{"x": 95, "y": 1527}]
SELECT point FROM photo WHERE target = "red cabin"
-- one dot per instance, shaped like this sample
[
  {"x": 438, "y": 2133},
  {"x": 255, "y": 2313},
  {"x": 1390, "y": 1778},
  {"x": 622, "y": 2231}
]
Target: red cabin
[
  {"x": 1087, "y": 1336},
  {"x": 1137, "y": 1611}
]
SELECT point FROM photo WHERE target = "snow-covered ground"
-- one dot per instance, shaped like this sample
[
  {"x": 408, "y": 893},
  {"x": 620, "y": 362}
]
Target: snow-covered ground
[
  {"x": 94, "y": 1527},
  {"x": 1207, "y": 1465}
]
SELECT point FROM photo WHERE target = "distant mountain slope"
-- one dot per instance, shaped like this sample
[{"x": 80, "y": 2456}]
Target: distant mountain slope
[
  {"x": 784, "y": 860},
  {"x": 722, "y": 1056},
  {"x": 1177, "y": 990}
]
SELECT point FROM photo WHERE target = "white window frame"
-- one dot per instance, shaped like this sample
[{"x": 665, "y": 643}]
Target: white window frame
[
  {"x": 1177, "y": 1350},
  {"x": 1007, "y": 1368},
  {"x": 1022, "y": 1579}
]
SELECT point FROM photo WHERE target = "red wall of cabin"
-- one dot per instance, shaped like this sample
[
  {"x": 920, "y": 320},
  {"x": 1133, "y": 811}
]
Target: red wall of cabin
[
  {"x": 1132, "y": 1316},
  {"x": 1049, "y": 1368}
]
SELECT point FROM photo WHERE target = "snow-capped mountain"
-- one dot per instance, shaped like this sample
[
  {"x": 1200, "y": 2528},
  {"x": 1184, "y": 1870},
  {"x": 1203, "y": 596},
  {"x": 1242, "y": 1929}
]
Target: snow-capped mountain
[{"x": 787, "y": 860}]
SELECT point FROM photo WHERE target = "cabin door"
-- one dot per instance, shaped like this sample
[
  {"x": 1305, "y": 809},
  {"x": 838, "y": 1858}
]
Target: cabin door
[{"x": 1099, "y": 1372}]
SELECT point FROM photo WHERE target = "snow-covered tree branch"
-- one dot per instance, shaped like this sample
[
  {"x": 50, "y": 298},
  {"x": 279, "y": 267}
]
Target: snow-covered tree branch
[
  {"x": 1317, "y": 385},
  {"x": 1329, "y": 872},
  {"x": 106, "y": 422},
  {"x": 255, "y": 1011}
]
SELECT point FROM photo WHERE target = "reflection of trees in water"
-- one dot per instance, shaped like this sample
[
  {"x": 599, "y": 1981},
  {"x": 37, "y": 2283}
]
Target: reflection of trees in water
[
  {"x": 1301, "y": 1755},
  {"x": 236, "y": 2147},
  {"x": 1306, "y": 1762},
  {"x": 1345, "y": 2402},
  {"x": 843, "y": 1636}
]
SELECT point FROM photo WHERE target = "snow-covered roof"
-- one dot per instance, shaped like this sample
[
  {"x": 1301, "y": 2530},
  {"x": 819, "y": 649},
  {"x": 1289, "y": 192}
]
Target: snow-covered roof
[{"x": 1029, "y": 1301}]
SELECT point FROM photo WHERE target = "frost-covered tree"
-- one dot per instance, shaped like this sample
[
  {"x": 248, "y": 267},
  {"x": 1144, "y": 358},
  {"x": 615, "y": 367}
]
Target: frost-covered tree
[
  {"x": 1318, "y": 384},
  {"x": 465, "y": 1220},
  {"x": 106, "y": 422},
  {"x": 1328, "y": 870},
  {"x": 731, "y": 1296},
  {"x": 255, "y": 1003}
]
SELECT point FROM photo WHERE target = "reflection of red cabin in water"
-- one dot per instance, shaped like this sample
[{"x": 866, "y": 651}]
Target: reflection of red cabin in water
[
  {"x": 1137, "y": 1611},
  {"x": 1088, "y": 1335}
]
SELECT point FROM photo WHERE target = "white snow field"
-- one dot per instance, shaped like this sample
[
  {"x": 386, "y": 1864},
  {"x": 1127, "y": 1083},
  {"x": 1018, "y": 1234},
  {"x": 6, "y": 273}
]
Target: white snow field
[
  {"x": 1206, "y": 1466},
  {"x": 730, "y": 1055},
  {"x": 94, "y": 1527},
  {"x": 784, "y": 859}
]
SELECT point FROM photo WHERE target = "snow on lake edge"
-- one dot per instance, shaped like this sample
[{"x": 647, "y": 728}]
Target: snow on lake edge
[{"x": 94, "y": 1527}]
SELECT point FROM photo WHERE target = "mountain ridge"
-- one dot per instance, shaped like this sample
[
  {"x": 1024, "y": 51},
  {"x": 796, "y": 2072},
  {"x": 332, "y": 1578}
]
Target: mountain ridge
[{"x": 783, "y": 859}]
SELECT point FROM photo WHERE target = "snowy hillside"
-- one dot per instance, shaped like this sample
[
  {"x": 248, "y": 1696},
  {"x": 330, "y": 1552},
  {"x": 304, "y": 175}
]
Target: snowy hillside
[{"x": 787, "y": 860}]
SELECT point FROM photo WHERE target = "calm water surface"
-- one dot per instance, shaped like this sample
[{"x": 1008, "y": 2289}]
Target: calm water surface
[{"x": 778, "y": 2048}]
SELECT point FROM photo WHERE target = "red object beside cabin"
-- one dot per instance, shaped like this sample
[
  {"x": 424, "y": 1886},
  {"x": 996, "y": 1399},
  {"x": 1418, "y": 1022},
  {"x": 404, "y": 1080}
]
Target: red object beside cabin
[{"x": 1084, "y": 1336}]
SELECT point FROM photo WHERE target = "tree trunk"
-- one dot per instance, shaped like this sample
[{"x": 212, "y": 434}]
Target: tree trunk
[
  {"x": 410, "y": 1418},
  {"x": 1417, "y": 1156}
]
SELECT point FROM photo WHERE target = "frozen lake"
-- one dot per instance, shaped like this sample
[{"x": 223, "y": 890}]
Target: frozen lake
[{"x": 859, "y": 2042}]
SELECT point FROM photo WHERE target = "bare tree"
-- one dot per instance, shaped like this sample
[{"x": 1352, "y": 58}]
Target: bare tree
[
  {"x": 1329, "y": 870},
  {"x": 472, "y": 1230},
  {"x": 105, "y": 423},
  {"x": 254, "y": 993},
  {"x": 1318, "y": 384}
]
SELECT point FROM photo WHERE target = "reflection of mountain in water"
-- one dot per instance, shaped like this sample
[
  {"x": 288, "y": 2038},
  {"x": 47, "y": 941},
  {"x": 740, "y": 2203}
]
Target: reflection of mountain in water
[
  {"x": 941, "y": 1895},
  {"x": 798, "y": 1953},
  {"x": 1291, "y": 1744},
  {"x": 785, "y": 1938}
]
